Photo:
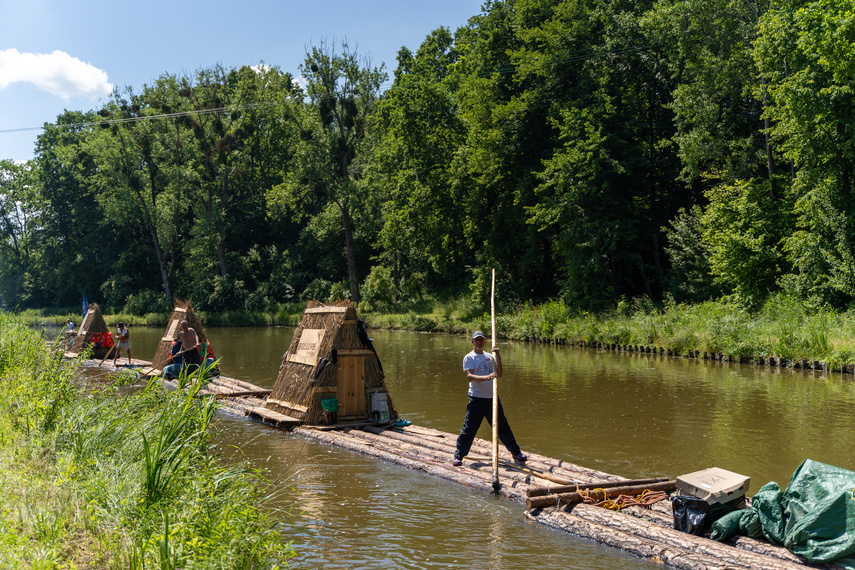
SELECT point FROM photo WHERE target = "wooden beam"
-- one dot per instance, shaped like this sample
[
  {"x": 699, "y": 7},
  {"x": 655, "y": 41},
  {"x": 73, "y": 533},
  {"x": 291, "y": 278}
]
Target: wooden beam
[{"x": 326, "y": 310}]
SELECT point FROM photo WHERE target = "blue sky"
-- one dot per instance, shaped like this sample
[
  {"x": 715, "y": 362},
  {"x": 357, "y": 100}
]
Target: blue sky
[{"x": 57, "y": 54}]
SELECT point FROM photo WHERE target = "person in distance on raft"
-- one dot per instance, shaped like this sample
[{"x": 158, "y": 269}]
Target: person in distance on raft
[
  {"x": 478, "y": 366},
  {"x": 174, "y": 369},
  {"x": 123, "y": 337},
  {"x": 190, "y": 350}
]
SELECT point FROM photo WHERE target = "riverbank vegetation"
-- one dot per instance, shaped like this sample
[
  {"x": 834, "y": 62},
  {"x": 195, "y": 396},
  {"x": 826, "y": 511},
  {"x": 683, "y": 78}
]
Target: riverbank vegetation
[{"x": 96, "y": 474}]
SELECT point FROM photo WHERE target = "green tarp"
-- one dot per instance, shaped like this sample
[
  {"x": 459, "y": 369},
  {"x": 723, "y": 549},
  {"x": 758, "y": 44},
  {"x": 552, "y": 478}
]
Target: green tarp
[{"x": 813, "y": 517}]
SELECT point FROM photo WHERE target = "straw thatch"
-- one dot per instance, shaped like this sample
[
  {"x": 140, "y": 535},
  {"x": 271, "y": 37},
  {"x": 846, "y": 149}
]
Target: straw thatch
[
  {"x": 329, "y": 359},
  {"x": 93, "y": 322},
  {"x": 183, "y": 311}
]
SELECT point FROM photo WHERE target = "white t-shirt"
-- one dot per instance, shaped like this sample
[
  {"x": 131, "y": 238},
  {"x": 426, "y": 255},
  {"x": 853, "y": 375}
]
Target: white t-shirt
[{"x": 481, "y": 365}]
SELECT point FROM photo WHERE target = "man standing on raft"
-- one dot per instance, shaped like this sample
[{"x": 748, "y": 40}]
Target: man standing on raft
[{"x": 478, "y": 366}]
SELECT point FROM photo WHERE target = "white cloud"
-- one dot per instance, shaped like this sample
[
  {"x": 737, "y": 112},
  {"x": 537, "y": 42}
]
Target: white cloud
[{"x": 57, "y": 73}]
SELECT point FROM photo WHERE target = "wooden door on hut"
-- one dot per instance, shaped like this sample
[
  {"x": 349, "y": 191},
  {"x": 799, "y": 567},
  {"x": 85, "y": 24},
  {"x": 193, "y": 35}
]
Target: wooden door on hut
[{"x": 330, "y": 357}]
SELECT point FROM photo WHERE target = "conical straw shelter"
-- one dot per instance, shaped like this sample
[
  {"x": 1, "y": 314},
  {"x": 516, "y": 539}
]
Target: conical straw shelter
[
  {"x": 331, "y": 372},
  {"x": 93, "y": 323},
  {"x": 183, "y": 311}
]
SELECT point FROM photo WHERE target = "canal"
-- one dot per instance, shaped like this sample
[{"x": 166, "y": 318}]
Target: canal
[{"x": 635, "y": 416}]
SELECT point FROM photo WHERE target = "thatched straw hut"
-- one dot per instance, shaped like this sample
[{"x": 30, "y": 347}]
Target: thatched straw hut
[
  {"x": 93, "y": 323},
  {"x": 183, "y": 311},
  {"x": 331, "y": 372}
]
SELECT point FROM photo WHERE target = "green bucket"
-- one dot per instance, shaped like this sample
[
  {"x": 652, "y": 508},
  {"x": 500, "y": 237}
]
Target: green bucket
[{"x": 330, "y": 405}]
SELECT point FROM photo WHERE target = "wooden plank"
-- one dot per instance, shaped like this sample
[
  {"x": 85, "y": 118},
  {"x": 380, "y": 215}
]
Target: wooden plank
[
  {"x": 324, "y": 389},
  {"x": 310, "y": 360},
  {"x": 270, "y": 415},
  {"x": 287, "y": 404},
  {"x": 355, "y": 352},
  {"x": 326, "y": 310}
]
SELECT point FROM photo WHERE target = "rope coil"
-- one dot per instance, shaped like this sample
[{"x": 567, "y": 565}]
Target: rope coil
[{"x": 644, "y": 499}]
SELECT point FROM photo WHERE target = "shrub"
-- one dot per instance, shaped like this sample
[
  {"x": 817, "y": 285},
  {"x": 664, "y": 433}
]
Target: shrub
[{"x": 146, "y": 301}]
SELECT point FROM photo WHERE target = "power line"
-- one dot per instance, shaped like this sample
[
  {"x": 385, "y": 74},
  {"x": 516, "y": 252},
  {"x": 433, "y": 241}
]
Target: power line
[{"x": 106, "y": 121}]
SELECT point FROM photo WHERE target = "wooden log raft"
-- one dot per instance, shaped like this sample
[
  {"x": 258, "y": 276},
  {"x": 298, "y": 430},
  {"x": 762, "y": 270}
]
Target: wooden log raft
[
  {"x": 653, "y": 541},
  {"x": 411, "y": 462}
]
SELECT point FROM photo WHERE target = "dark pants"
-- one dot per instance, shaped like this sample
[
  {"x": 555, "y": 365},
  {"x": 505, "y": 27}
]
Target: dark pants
[{"x": 477, "y": 410}]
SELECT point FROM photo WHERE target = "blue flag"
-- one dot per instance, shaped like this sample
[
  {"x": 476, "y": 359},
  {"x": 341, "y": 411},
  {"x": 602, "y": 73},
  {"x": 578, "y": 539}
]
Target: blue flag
[{"x": 85, "y": 306}]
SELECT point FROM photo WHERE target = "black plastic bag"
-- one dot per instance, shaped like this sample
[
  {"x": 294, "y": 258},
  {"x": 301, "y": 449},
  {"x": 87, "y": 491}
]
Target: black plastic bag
[{"x": 691, "y": 514}]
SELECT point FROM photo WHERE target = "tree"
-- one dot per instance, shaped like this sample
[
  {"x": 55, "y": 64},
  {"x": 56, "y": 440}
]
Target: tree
[
  {"x": 805, "y": 50},
  {"x": 20, "y": 205},
  {"x": 419, "y": 133},
  {"x": 342, "y": 88},
  {"x": 140, "y": 169}
]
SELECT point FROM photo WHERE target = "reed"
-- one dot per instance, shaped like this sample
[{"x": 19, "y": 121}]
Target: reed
[{"x": 96, "y": 476}]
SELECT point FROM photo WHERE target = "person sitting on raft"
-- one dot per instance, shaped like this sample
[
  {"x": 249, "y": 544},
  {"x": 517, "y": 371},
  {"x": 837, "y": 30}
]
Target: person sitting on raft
[{"x": 174, "y": 369}]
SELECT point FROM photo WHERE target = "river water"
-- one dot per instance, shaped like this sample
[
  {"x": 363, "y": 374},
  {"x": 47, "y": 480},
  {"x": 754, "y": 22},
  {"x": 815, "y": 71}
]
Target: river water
[{"x": 635, "y": 416}]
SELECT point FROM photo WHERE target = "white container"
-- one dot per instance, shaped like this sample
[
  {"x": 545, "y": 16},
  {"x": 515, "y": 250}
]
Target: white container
[{"x": 380, "y": 406}]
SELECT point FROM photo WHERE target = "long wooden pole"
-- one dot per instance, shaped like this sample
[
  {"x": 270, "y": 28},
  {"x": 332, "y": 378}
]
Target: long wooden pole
[
  {"x": 496, "y": 484},
  {"x": 109, "y": 352}
]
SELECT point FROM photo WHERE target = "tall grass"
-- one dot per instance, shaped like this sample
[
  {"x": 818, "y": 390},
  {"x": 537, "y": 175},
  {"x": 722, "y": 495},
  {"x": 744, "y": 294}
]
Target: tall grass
[{"x": 110, "y": 477}]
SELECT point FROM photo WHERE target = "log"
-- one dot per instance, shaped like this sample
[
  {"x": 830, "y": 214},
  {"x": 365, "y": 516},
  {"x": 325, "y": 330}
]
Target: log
[
  {"x": 567, "y": 471},
  {"x": 455, "y": 475},
  {"x": 427, "y": 454},
  {"x": 562, "y": 482},
  {"x": 242, "y": 394},
  {"x": 686, "y": 552},
  {"x": 769, "y": 549},
  {"x": 680, "y": 558},
  {"x": 569, "y": 498},
  {"x": 726, "y": 555},
  {"x": 541, "y": 491}
]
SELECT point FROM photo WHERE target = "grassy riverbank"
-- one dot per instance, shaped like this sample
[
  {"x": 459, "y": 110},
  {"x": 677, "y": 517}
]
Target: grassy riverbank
[
  {"x": 100, "y": 476},
  {"x": 784, "y": 327}
]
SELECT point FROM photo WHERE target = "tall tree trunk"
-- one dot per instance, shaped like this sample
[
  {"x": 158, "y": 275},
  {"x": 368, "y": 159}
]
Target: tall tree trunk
[
  {"x": 770, "y": 165},
  {"x": 351, "y": 255}
]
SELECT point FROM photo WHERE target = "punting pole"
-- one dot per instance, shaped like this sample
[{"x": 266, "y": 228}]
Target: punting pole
[
  {"x": 109, "y": 352},
  {"x": 496, "y": 484}
]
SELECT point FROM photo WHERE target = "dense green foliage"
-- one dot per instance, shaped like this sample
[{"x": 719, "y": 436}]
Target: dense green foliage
[{"x": 589, "y": 151}]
